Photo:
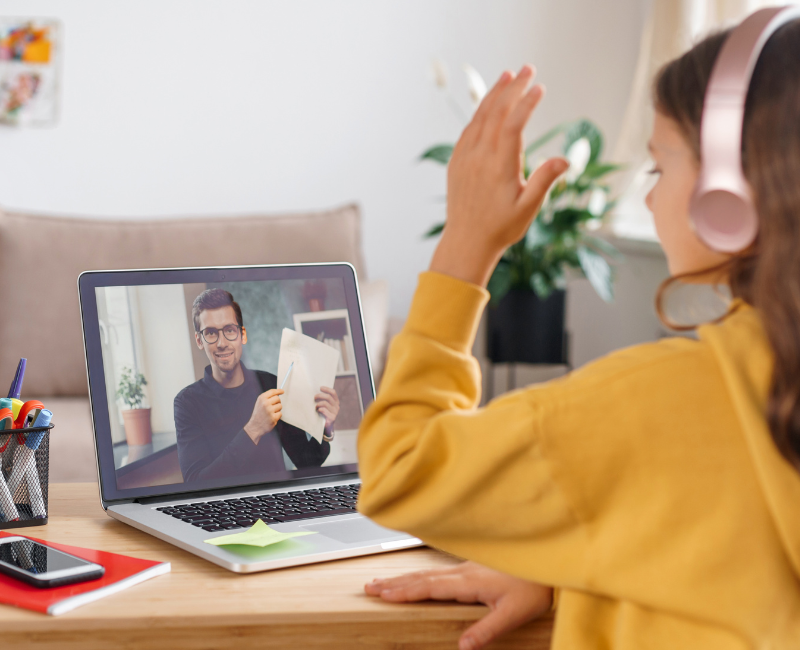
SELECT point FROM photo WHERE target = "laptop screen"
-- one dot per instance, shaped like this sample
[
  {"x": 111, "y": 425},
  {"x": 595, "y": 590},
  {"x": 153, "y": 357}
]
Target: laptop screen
[{"x": 217, "y": 378}]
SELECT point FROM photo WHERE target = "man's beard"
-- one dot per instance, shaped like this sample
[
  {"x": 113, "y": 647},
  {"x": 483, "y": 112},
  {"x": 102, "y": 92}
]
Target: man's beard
[{"x": 227, "y": 362}]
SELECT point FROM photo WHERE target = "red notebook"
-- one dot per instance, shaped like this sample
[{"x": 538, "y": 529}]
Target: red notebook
[{"x": 121, "y": 572}]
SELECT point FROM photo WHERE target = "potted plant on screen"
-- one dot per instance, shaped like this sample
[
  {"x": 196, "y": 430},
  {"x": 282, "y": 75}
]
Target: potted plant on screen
[
  {"x": 526, "y": 312},
  {"x": 136, "y": 419}
]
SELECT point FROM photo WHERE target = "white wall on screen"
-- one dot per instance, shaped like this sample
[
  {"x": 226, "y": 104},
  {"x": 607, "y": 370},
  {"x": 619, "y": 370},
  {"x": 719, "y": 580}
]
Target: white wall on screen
[{"x": 165, "y": 348}]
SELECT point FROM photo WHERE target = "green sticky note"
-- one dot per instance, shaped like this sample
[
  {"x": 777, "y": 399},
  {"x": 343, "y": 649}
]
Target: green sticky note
[{"x": 259, "y": 534}]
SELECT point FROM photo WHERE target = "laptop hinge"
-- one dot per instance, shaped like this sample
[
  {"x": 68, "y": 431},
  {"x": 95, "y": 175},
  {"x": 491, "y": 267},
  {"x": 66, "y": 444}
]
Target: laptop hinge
[{"x": 220, "y": 492}]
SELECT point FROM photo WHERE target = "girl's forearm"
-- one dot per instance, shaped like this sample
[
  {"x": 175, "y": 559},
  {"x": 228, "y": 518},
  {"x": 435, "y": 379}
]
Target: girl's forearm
[{"x": 465, "y": 257}]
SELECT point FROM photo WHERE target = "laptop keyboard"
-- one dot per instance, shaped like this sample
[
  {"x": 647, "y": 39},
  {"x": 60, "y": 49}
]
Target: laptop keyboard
[{"x": 227, "y": 514}]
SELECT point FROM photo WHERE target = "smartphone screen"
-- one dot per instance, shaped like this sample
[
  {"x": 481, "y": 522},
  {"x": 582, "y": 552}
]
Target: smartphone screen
[{"x": 35, "y": 558}]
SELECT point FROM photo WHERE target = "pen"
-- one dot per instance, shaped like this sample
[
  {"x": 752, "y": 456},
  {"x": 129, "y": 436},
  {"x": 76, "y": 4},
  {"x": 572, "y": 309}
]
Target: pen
[
  {"x": 25, "y": 466},
  {"x": 16, "y": 386},
  {"x": 283, "y": 383},
  {"x": 7, "y": 506}
]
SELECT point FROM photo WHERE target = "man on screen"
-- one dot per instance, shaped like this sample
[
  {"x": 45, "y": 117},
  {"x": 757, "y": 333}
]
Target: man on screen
[{"x": 229, "y": 422}]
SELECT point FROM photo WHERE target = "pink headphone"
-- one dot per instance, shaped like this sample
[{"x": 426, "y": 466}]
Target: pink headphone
[{"x": 721, "y": 208}]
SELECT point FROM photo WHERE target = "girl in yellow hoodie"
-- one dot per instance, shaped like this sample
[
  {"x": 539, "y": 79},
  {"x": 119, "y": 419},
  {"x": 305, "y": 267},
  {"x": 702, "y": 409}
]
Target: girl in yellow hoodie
[{"x": 658, "y": 488}]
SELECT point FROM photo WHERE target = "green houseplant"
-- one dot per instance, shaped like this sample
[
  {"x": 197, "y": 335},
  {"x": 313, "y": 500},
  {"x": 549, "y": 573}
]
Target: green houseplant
[
  {"x": 526, "y": 315},
  {"x": 138, "y": 430}
]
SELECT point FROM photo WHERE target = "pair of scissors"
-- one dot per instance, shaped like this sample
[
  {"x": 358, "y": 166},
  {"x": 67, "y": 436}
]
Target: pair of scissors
[
  {"x": 22, "y": 414},
  {"x": 28, "y": 413}
]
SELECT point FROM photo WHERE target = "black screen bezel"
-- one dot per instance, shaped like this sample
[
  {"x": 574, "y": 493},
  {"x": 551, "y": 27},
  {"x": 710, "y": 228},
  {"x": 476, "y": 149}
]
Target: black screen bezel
[{"x": 91, "y": 280}]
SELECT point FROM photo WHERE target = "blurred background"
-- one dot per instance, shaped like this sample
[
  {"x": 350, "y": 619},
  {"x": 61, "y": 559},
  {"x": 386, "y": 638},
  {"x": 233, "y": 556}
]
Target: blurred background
[
  {"x": 180, "y": 109},
  {"x": 206, "y": 107}
]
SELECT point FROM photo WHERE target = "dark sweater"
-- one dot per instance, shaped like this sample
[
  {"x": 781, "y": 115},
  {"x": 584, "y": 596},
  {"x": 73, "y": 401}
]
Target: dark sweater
[{"x": 212, "y": 442}]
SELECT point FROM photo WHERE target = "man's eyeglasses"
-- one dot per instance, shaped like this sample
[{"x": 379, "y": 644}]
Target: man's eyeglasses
[{"x": 211, "y": 334}]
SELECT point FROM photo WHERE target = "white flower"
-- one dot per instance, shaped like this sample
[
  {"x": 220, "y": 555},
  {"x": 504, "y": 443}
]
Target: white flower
[
  {"x": 578, "y": 155},
  {"x": 475, "y": 83},
  {"x": 597, "y": 202},
  {"x": 439, "y": 69}
]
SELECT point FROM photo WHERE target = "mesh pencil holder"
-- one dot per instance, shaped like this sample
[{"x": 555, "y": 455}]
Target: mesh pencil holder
[{"x": 24, "y": 476}]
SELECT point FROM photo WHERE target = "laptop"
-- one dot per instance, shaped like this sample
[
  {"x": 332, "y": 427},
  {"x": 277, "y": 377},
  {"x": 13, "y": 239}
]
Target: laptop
[{"x": 194, "y": 439}]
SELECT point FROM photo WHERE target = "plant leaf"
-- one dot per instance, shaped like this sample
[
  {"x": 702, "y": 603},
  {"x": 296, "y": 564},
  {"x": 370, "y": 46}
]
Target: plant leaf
[
  {"x": 595, "y": 170},
  {"x": 598, "y": 271},
  {"x": 438, "y": 153},
  {"x": 603, "y": 246},
  {"x": 538, "y": 234},
  {"x": 500, "y": 282},
  {"x": 566, "y": 220},
  {"x": 436, "y": 230},
  {"x": 585, "y": 129},
  {"x": 544, "y": 139},
  {"x": 541, "y": 285}
]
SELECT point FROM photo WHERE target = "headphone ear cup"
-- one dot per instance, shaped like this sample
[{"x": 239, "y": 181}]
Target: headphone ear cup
[
  {"x": 724, "y": 221},
  {"x": 721, "y": 209}
]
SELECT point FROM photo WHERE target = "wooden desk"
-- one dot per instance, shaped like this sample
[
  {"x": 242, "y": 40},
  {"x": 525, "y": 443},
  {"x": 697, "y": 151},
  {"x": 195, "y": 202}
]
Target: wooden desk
[{"x": 200, "y": 605}]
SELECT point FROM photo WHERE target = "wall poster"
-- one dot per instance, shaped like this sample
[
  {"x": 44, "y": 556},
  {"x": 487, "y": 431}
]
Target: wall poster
[{"x": 29, "y": 52}]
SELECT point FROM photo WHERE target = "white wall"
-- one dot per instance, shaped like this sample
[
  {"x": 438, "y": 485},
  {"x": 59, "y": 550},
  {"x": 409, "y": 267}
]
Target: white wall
[
  {"x": 201, "y": 107},
  {"x": 597, "y": 328}
]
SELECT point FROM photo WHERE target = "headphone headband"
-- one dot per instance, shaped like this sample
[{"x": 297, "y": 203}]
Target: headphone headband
[{"x": 721, "y": 208}]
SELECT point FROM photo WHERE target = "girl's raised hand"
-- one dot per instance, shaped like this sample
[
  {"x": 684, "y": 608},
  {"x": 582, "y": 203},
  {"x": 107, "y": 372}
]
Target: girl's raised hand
[
  {"x": 512, "y": 601},
  {"x": 490, "y": 205}
]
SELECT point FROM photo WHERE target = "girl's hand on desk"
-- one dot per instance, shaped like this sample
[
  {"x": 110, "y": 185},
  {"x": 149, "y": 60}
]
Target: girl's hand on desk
[
  {"x": 490, "y": 205},
  {"x": 512, "y": 601}
]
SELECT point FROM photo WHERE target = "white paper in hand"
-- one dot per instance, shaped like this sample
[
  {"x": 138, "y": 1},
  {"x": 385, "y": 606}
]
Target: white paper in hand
[{"x": 315, "y": 366}]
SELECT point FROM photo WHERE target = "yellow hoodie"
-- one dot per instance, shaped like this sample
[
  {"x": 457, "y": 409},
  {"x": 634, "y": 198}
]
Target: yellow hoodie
[{"x": 645, "y": 485}]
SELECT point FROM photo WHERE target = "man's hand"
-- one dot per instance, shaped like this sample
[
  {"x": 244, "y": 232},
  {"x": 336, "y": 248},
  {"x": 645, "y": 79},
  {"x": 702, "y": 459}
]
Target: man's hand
[
  {"x": 328, "y": 405},
  {"x": 512, "y": 601},
  {"x": 266, "y": 414},
  {"x": 490, "y": 205}
]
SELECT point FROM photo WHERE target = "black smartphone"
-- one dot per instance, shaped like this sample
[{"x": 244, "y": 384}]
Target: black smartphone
[{"x": 42, "y": 566}]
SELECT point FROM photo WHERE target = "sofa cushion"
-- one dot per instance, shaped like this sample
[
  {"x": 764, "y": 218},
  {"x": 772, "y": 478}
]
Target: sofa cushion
[{"x": 43, "y": 256}]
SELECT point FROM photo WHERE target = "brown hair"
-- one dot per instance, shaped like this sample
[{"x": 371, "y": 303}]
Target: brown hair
[
  {"x": 214, "y": 299},
  {"x": 767, "y": 274}
]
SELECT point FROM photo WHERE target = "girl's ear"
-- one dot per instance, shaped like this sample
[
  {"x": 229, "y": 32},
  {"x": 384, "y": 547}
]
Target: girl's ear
[{"x": 244, "y": 336}]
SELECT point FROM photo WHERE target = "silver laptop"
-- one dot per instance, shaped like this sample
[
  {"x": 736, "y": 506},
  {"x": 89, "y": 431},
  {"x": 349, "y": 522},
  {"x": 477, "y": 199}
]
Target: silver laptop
[{"x": 194, "y": 439}]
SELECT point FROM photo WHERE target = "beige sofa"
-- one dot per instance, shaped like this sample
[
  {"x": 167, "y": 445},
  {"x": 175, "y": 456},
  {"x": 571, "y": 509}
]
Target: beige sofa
[{"x": 43, "y": 256}]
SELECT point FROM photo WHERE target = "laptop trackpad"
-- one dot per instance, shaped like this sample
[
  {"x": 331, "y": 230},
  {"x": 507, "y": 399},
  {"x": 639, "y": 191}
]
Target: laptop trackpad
[{"x": 350, "y": 531}]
